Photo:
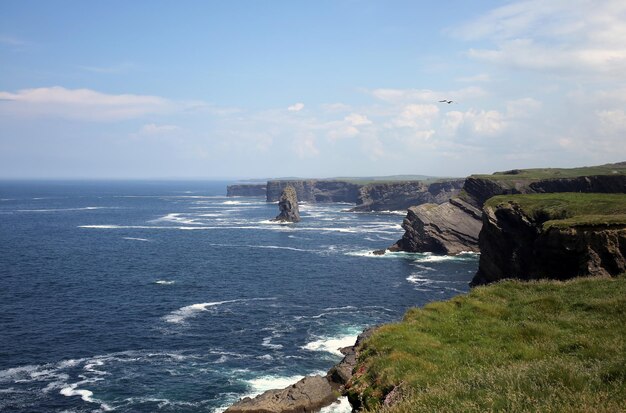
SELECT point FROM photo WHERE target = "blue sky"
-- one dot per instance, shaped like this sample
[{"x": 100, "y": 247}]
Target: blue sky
[{"x": 160, "y": 89}]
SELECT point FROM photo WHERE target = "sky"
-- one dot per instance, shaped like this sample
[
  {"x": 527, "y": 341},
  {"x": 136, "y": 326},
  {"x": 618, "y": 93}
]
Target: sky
[{"x": 259, "y": 89}]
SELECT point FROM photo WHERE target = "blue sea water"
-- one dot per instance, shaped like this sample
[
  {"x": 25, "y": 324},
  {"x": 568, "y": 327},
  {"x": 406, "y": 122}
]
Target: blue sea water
[{"x": 170, "y": 297}]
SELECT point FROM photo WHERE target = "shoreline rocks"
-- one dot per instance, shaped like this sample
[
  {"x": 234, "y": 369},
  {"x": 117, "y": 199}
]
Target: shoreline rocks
[{"x": 310, "y": 393}]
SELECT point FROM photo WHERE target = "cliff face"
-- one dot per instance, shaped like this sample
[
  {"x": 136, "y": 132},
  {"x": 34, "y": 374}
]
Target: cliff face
[
  {"x": 315, "y": 191},
  {"x": 449, "y": 228},
  {"x": 446, "y": 228},
  {"x": 514, "y": 245},
  {"x": 402, "y": 195},
  {"x": 288, "y": 206},
  {"x": 246, "y": 190}
]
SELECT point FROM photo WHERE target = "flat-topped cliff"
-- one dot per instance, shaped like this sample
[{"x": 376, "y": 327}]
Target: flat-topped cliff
[
  {"x": 313, "y": 190},
  {"x": 454, "y": 226},
  {"x": 397, "y": 196},
  {"x": 556, "y": 236},
  {"x": 246, "y": 190}
]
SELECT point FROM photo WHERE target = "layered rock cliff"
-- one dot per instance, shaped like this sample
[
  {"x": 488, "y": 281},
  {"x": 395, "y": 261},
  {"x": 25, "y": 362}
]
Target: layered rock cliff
[
  {"x": 397, "y": 196},
  {"x": 288, "y": 206},
  {"x": 315, "y": 190},
  {"x": 557, "y": 236},
  {"x": 454, "y": 226},
  {"x": 246, "y": 190}
]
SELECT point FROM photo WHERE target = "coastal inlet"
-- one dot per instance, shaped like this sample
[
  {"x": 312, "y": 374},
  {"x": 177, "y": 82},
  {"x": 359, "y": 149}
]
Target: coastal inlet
[{"x": 171, "y": 297}]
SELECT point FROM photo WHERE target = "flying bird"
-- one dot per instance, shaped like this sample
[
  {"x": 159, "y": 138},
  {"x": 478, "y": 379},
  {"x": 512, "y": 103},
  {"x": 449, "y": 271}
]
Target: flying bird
[{"x": 447, "y": 101}]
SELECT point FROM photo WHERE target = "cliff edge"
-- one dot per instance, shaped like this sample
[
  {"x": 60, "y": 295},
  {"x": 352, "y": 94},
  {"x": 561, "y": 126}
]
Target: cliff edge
[
  {"x": 454, "y": 226},
  {"x": 557, "y": 236}
]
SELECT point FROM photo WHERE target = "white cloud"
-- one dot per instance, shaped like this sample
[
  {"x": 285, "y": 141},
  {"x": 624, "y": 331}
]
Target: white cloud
[
  {"x": 569, "y": 36},
  {"x": 357, "y": 120},
  {"x": 296, "y": 107},
  {"x": 475, "y": 123},
  {"x": 426, "y": 95},
  {"x": 415, "y": 116},
  {"x": 81, "y": 104}
]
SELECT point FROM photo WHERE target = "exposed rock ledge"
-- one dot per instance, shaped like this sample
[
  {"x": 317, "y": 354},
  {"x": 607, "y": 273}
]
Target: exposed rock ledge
[
  {"x": 309, "y": 394},
  {"x": 454, "y": 226},
  {"x": 513, "y": 244}
]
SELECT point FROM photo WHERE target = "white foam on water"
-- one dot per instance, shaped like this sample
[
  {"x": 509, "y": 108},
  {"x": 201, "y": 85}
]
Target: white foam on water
[
  {"x": 440, "y": 258},
  {"x": 418, "y": 279},
  {"x": 347, "y": 307},
  {"x": 63, "y": 209},
  {"x": 177, "y": 218},
  {"x": 182, "y": 314},
  {"x": 267, "y": 342},
  {"x": 264, "y": 383},
  {"x": 85, "y": 395},
  {"x": 164, "y": 282},
  {"x": 136, "y": 239},
  {"x": 331, "y": 344},
  {"x": 342, "y": 405}
]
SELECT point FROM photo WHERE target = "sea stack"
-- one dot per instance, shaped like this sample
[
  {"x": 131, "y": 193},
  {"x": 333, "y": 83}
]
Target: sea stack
[{"x": 288, "y": 205}]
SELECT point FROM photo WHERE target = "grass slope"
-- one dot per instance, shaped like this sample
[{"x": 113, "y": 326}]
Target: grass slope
[
  {"x": 552, "y": 173},
  {"x": 512, "y": 346},
  {"x": 563, "y": 210}
]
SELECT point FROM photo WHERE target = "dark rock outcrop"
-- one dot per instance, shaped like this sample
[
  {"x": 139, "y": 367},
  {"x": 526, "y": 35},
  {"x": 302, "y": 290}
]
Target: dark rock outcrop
[
  {"x": 449, "y": 228},
  {"x": 288, "y": 206},
  {"x": 454, "y": 226},
  {"x": 395, "y": 196},
  {"x": 315, "y": 190},
  {"x": 514, "y": 245},
  {"x": 307, "y": 395},
  {"x": 246, "y": 190}
]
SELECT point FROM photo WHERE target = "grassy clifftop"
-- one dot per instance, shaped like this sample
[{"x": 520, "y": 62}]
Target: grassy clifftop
[
  {"x": 555, "y": 173},
  {"x": 568, "y": 209},
  {"x": 511, "y": 346}
]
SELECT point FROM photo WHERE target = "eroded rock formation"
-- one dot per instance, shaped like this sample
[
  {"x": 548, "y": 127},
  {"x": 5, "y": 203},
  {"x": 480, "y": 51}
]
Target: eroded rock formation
[
  {"x": 514, "y": 245},
  {"x": 288, "y": 206},
  {"x": 454, "y": 226}
]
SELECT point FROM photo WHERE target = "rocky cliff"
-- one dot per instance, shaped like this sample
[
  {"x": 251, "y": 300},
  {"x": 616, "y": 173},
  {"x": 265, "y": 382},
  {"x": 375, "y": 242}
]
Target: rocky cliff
[
  {"x": 315, "y": 190},
  {"x": 455, "y": 225},
  {"x": 246, "y": 190},
  {"x": 558, "y": 236},
  {"x": 288, "y": 206},
  {"x": 397, "y": 196}
]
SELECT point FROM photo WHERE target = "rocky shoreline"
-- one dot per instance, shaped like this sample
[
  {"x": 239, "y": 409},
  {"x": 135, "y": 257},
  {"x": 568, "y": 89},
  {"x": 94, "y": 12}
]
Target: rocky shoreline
[{"x": 310, "y": 393}]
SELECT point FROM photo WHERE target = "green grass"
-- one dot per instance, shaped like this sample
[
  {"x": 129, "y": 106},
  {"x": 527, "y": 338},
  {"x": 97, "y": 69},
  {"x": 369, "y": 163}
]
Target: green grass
[
  {"x": 512, "y": 347},
  {"x": 550, "y": 173},
  {"x": 562, "y": 210}
]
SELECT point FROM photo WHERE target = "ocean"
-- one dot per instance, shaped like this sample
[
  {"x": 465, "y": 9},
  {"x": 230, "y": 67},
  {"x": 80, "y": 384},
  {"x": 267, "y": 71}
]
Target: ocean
[{"x": 170, "y": 297}]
